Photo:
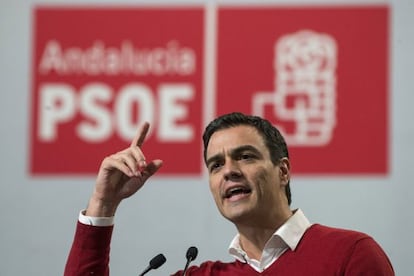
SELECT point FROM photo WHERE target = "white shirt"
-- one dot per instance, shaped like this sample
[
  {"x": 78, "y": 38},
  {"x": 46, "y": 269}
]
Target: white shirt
[{"x": 286, "y": 237}]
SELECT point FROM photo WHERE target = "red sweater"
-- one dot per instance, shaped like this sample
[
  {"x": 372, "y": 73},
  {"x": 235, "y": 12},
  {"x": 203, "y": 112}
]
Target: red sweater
[{"x": 323, "y": 251}]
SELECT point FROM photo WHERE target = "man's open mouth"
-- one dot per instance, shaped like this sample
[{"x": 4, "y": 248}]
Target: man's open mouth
[{"x": 237, "y": 191}]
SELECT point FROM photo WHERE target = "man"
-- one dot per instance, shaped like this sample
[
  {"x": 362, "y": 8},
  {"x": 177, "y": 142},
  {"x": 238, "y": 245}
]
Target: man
[{"x": 249, "y": 174}]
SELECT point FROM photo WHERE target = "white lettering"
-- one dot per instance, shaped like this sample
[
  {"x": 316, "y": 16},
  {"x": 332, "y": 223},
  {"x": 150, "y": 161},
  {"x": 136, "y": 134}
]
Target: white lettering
[
  {"x": 172, "y": 111},
  {"x": 130, "y": 95},
  {"x": 100, "y": 112},
  {"x": 101, "y": 127},
  {"x": 99, "y": 59},
  {"x": 51, "y": 58},
  {"x": 57, "y": 105}
]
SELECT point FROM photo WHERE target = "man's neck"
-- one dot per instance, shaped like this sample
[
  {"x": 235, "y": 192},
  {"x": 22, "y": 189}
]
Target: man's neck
[{"x": 253, "y": 237}]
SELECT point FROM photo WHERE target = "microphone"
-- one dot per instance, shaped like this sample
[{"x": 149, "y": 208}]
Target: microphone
[
  {"x": 155, "y": 263},
  {"x": 190, "y": 255}
]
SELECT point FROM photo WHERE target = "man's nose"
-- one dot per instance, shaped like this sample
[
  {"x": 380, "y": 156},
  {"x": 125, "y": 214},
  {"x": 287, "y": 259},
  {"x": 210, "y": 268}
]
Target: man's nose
[{"x": 231, "y": 170}]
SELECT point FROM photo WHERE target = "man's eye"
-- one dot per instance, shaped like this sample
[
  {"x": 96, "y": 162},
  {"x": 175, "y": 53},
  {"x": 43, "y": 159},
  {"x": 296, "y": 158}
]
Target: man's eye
[
  {"x": 215, "y": 166},
  {"x": 246, "y": 156}
]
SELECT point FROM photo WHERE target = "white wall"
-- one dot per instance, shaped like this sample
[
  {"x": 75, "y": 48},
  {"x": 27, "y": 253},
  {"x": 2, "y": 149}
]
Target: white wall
[{"x": 38, "y": 215}]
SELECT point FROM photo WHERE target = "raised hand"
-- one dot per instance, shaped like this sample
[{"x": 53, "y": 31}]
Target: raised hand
[{"x": 121, "y": 175}]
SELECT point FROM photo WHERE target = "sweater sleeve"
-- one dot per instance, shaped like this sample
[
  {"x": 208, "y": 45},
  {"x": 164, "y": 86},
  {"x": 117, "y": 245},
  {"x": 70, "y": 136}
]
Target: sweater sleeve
[
  {"x": 89, "y": 254},
  {"x": 368, "y": 259}
]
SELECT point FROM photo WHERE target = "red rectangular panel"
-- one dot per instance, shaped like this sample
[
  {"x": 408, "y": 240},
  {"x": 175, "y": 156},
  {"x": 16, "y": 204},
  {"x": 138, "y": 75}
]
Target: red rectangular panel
[
  {"x": 99, "y": 72},
  {"x": 321, "y": 74}
]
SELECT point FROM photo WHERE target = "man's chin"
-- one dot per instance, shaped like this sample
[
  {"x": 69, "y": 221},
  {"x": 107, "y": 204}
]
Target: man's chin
[{"x": 236, "y": 216}]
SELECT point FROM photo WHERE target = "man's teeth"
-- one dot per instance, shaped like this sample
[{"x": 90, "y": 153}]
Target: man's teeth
[{"x": 237, "y": 190}]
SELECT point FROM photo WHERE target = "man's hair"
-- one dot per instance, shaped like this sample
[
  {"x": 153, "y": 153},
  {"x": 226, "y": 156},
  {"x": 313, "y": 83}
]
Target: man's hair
[{"x": 273, "y": 139}]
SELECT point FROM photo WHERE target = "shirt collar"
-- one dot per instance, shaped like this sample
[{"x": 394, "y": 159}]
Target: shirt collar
[
  {"x": 290, "y": 232},
  {"x": 293, "y": 229}
]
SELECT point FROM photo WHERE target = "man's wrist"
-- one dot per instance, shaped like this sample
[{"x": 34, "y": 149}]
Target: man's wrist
[
  {"x": 95, "y": 221},
  {"x": 100, "y": 208}
]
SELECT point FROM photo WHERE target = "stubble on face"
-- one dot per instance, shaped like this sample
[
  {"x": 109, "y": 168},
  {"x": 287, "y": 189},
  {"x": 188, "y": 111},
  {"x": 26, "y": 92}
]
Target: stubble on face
[{"x": 258, "y": 175}]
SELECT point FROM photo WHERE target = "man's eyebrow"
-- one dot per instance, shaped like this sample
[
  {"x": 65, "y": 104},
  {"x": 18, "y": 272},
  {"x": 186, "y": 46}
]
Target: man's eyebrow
[
  {"x": 243, "y": 148},
  {"x": 233, "y": 152},
  {"x": 214, "y": 158}
]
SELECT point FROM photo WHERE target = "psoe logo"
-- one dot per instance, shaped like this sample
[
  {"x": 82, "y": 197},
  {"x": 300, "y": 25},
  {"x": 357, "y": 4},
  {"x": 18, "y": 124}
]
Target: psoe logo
[
  {"x": 305, "y": 87},
  {"x": 92, "y": 87}
]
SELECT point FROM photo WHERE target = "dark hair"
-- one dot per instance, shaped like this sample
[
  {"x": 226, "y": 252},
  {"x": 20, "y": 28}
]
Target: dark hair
[{"x": 273, "y": 139}]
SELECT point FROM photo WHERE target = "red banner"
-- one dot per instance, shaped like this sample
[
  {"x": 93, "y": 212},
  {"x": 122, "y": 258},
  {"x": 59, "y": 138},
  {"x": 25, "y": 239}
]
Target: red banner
[
  {"x": 101, "y": 72},
  {"x": 320, "y": 74}
]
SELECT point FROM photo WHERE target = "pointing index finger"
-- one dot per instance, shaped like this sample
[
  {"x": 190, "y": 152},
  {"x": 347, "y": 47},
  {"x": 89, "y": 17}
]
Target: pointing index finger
[{"x": 140, "y": 136}]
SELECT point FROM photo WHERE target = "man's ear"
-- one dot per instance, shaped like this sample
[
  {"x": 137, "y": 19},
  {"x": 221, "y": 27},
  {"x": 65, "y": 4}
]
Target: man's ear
[{"x": 284, "y": 166}]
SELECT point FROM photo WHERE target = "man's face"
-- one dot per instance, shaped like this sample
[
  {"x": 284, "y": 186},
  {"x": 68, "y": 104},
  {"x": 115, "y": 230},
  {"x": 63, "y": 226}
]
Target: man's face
[{"x": 247, "y": 187}]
